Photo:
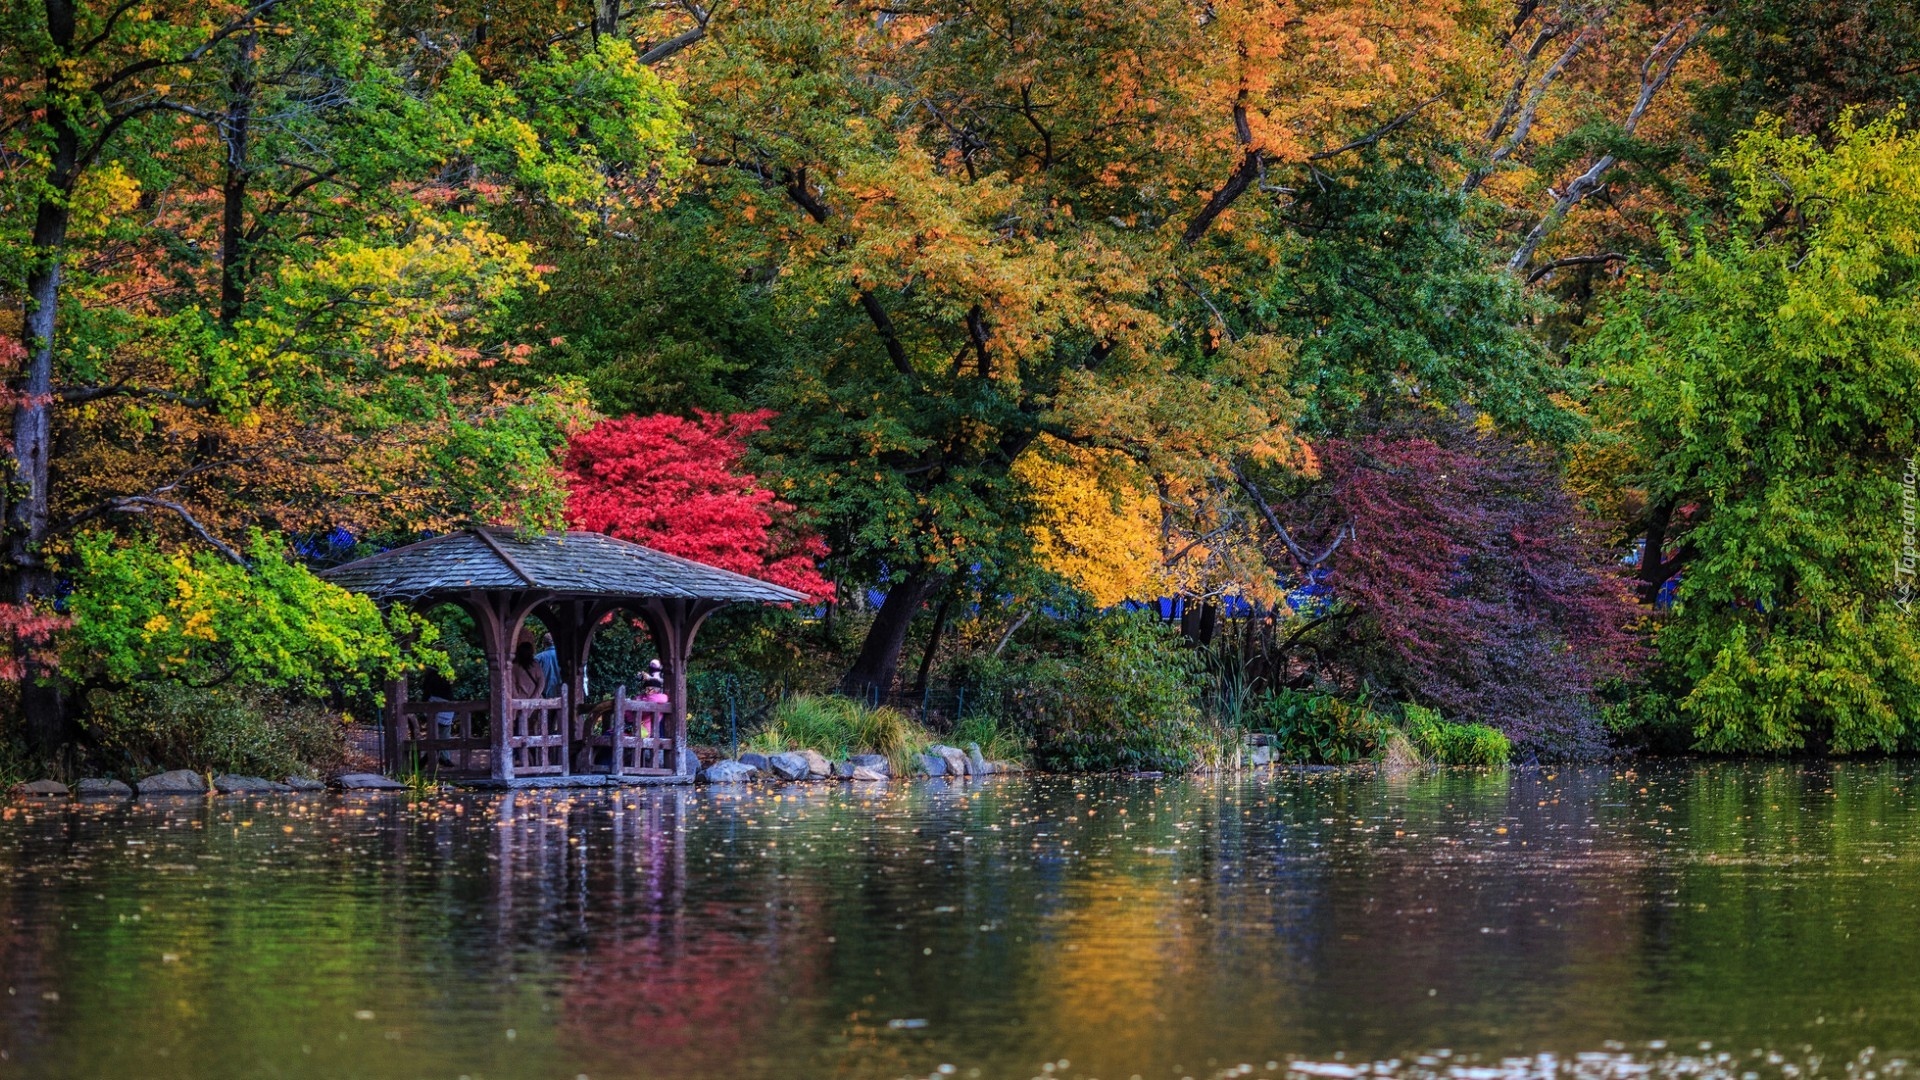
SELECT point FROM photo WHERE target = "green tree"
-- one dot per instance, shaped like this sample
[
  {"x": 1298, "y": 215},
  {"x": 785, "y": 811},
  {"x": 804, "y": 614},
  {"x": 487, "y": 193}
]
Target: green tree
[
  {"x": 1769, "y": 384},
  {"x": 266, "y": 270},
  {"x": 142, "y": 614}
]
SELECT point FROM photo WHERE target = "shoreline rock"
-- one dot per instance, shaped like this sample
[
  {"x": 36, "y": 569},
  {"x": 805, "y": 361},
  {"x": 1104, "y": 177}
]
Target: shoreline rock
[
  {"x": 790, "y": 766},
  {"x": 40, "y": 789},
  {"x": 367, "y": 782},
  {"x": 728, "y": 772},
  {"x": 94, "y": 787},
  {"x": 229, "y": 784},
  {"x": 173, "y": 782}
]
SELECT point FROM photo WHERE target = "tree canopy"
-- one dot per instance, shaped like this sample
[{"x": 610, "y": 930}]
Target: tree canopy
[{"x": 972, "y": 304}]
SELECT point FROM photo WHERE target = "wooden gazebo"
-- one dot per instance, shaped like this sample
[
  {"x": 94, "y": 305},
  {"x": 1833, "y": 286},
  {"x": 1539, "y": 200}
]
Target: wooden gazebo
[{"x": 570, "y": 582}]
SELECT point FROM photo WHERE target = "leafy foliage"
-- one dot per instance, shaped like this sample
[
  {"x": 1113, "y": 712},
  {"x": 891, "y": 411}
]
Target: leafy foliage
[
  {"x": 1320, "y": 728},
  {"x": 1129, "y": 701},
  {"x": 1769, "y": 385},
  {"x": 677, "y": 485},
  {"x": 1096, "y": 523},
  {"x": 236, "y": 729},
  {"x": 1471, "y": 581},
  {"x": 1453, "y": 744},
  {"x": 141, "y": 614}
]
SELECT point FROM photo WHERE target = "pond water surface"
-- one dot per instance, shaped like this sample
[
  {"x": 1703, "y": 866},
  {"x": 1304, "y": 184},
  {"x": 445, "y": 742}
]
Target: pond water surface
[{"x": 1732, "y": 921}]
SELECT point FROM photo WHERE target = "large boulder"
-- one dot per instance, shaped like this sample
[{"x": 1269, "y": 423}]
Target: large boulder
[
  {"x": 40, "y": 789},
  {"x": 755, "y": 761},
  {"x": 818, "y": 766},
  {"x": 933, "y": 764},
  {"x": 1260, "y": 755},
  {"x": 955, "y": 758},
  {"x": 177, "y": 782},
  {"x": 229, "y": 784},
  {"x": 790, "y": 766},
  {"x": 366, "y": 781},
  {"x": 976, "y": 764},
  {"x": 843, "y": 770},
  {"x": 861, "y": 772},
  {"x": 876, "y": 762},
  {"x": 728, "y": 772},
  {"x": 94, "y": 787}
]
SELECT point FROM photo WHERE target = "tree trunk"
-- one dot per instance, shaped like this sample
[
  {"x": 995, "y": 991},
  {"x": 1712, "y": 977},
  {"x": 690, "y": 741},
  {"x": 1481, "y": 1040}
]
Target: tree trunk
[
  {"x": 233, "y": 209},
  {"x": 27, "y": 509},
  {"x": 606, "y": 18},
  {"x": 873, "y": 671},
  {"x": 933, "y": 643}
]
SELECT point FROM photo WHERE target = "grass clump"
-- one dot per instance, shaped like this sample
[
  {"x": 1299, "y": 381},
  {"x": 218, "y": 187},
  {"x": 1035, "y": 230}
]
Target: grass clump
[
  {"x": 1449, "y": 743},
  {"x": 835, "y": 727}
]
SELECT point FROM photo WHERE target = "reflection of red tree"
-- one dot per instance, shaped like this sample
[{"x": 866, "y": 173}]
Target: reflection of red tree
[
  {"x": 689, "y": 1003},
  {"x": 28, "y": 967}
]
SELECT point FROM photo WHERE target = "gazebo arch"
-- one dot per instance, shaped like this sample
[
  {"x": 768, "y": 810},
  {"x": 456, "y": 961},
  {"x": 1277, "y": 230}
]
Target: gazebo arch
[{"x": 570, "y": 581}]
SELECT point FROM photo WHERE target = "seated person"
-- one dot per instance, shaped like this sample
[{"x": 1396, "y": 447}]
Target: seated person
[
  {"x": 653, "y": 690},
  {"x": 438, "y": 688},
  {"x": 529, "y": 677}
]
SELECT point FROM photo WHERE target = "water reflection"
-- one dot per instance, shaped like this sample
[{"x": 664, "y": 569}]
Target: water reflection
[{"x": 1158, "y": 928}]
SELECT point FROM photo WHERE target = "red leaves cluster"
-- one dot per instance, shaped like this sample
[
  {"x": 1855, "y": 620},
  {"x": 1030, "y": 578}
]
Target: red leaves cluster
[
  {"x": 1480, "y": 588},
  {"x": 677, "y": 485},
  {"x": 27, "y": 632}
]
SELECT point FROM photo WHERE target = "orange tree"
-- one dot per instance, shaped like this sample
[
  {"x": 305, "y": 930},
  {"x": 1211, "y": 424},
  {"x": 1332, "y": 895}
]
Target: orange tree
[{"x": 978, "y": 225}]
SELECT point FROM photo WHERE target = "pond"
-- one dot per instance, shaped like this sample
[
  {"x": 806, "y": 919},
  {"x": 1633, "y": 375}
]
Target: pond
[{"x": 1717, "y": 920}]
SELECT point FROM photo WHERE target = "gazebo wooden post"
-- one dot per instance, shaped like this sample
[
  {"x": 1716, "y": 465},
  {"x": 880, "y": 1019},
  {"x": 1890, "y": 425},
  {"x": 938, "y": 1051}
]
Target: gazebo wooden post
[
  {"x": 571, "y": 624},
  {"x": 498, "y": 651},
  {"x": 396, "y": 716},
  {"x": 673, "y": 622}
]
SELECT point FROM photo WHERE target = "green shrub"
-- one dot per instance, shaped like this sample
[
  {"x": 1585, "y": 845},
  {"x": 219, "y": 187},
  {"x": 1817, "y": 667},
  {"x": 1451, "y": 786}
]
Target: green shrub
[
  {"x": 1320, "y": 729},
  {"x": 169, "y": 725},
  {"x": 1448, "y": 743},
  {"x": 142, "y": 614},
  {"x": 1128, "y": 701}
]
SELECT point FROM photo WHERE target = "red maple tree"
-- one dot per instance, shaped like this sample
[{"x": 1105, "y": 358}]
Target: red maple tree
[
  {"x": 677, "y": 485},
  {"x": 1478, "y": 585}
]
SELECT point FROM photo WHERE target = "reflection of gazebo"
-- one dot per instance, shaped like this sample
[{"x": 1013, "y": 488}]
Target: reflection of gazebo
[{"x": 569, "y": 582}]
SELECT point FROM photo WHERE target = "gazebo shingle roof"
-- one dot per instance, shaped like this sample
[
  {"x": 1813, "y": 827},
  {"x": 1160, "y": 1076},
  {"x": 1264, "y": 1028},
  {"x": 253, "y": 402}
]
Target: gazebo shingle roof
[{"x": 576, "y": 564}]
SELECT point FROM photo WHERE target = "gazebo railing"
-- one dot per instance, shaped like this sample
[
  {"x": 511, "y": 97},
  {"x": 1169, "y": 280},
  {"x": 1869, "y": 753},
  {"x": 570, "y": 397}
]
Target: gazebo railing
[
  {"x": 421, "y": 744},
  {"x": 627, "y": 736},
  {"x": 537, "y": 735}
]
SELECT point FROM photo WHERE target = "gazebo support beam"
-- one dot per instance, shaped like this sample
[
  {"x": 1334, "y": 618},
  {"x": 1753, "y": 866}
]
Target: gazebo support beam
[{"x": 673, "y": 622}]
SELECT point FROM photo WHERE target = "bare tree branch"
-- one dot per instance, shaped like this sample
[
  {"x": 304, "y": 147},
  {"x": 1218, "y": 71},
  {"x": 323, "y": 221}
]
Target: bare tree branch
[
  {"x": 1300, "y": 556},
  {"x": 1237, "y": 181},
  {"x": 1576, "y": 260},
  {"x": 1522, "y": 117},
  {"x": 1376, "y": 134},
  {"x": 138, "y": 504},
  {"x": 680, "y": 41},
  {"x": 1654, "y": 75}
]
